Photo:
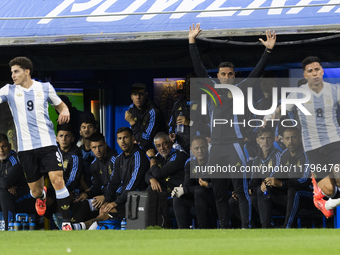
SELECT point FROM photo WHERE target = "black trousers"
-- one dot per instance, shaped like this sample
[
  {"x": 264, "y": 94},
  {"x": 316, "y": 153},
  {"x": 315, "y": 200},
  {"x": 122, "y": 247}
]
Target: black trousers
[
  {"x": 230, "y": 155},
  {"x": 184, "y": 208},
  {"x": 21, "y": 202},
  {"x": 206, "y": 213},
  {"x": 220, "y": 188},
  {"x": 292, "y": 199}
]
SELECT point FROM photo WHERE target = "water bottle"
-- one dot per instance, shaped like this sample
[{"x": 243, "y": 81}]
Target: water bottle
[
  {"x": 16, "y": 226},
  {"x": 180, "y": 127},
  {"x": 266, "y": 195},
  {"x": 24, "y": 224},
  {"x": 123, "y": 224},
  {"x": 31, "y": 224},
  {"x": 11, "y": 225}
]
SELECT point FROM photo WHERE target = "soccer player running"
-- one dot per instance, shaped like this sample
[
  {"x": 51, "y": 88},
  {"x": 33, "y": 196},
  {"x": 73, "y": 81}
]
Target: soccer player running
[
  {"x": 225, "y": 138},
  {"x": 320, "y": 134},
  {"x": 37, "y": 147}
]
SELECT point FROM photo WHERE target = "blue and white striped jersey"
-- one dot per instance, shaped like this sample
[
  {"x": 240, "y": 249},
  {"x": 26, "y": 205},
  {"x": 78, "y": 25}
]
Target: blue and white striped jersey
[
  {"x": 320, "y": 128},
  {"x": 29, "y": 108}
]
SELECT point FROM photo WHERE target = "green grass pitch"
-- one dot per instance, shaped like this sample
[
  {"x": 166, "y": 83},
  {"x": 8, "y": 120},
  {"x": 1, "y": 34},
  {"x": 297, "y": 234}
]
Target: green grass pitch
[{"x": 172, "y": 242}]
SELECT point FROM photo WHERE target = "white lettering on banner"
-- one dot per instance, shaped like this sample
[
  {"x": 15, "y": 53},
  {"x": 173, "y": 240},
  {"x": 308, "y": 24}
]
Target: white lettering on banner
[
  {"x": 276, "y": 3},
  {"x": 302, "y": 2},
  {"x": 56, "y": 11},
  {"x": 186, "y": 5},
  {"x": 329, "y": 8},
  {"x": 255, "y": 4},
  {"x": 216, "y": 6},
  {"x": 102, "y": 10},
  {"x": 85, "y": 6},
  {"x": 159, "y": 6}
]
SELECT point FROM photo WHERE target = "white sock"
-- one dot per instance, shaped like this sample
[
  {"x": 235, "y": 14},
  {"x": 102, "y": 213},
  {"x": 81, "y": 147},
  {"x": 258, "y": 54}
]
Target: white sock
[
  {"x": 43, "y": 195},
  {"x": 332, "y": 203},
  {"x": 93, "y": 226}
]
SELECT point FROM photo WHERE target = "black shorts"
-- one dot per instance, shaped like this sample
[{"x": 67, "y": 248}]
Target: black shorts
[
  {"x": 39, "y": 161},
  {"x": 322, "y": 159}
]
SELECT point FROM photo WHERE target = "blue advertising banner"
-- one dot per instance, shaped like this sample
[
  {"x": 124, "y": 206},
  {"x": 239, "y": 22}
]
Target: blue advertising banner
[{"x": 97, "y": 18}]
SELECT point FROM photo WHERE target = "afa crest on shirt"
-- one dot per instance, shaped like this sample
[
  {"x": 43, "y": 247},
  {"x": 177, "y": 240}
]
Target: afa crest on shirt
[
  {"x": 110, "y": 170},
  {"x": 179, "y": 109},
  {"x": 39, "y": 94},
  {"x": 194, "y": 107},
  {"x": 328, "y": 101},
  {"x": 270, "y": 163},
  {"x": 145, "y": 119},
  {"x": 65, "y": 163}
]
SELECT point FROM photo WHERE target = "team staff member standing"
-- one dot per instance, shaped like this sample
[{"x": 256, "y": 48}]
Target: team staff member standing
[
  {"x": 37, "y": 146},
  {"x": 225, "y": 138}
]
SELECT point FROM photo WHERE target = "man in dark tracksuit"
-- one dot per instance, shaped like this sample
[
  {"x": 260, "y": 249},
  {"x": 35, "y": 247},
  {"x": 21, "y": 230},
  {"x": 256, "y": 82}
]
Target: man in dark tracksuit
[
  {"x": 167, "y": 166},
  {"x": 296, "y": 182},
  {"x": 130, "y": 168},
  {"x": 14, "y": 192},
  {"x": 226, "y": 138},
  {"x": 268, "y": 158},
  {"x": 145, "y": 117},
  {"x": 195, "y": 192},
  {"x": 86, "y": 130},
  {"x": 73, "y": 166},
  {"x": 102, "y": 167}
]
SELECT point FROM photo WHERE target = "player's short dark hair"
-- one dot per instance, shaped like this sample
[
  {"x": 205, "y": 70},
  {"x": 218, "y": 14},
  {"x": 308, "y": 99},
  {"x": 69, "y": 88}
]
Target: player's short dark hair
[
  {"x": 291, "y": 129},
  {"x": 309, "y": 60},
  {"x": 226, "y": 64},
  {"x": 97, "y": 137},
  {"x": 65, "y": 127},
  {"x": 198, "y": 138},
  {"x": 136, "y": 87},
  {"x": 122, "y": 129},
  {"x": 88, "y": 118},
  {"x": 3, "y": 137},
  {"x": 261, "y": 131},
  {"x": 23, "y": 62}
]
